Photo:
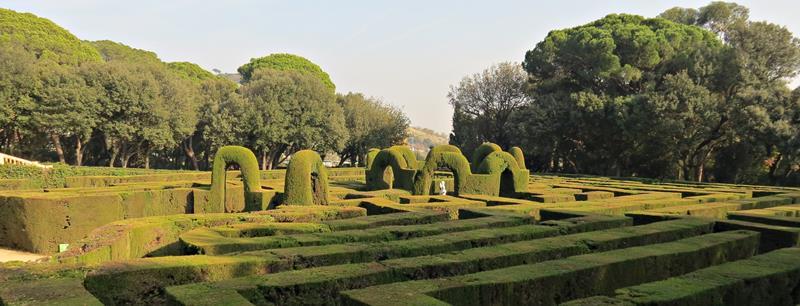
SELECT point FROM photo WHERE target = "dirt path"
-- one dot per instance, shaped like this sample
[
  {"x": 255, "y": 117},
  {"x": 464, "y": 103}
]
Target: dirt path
[{"x": 12, "y": 255}]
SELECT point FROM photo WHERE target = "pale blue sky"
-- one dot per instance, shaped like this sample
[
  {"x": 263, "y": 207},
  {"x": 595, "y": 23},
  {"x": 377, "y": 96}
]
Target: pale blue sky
[{"x": 406, "y": 52}]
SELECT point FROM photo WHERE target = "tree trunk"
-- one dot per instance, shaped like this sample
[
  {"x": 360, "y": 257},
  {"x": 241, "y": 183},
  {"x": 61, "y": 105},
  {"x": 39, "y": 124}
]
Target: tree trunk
[
  {"x": 78, "y": 152},
  {"x": 59, "y": 149},
  {"x": 147, "y": 160},
  {"x": 264, "y": 160},
  {"x": 342, "y": 159},
  {"x": 114, "y": 152},
  {"x": 125, "y": 157},
  {"x": 189, "y": 150},
  {"x": 275, "y": 155},
  {"x": 80, "y": 148}
]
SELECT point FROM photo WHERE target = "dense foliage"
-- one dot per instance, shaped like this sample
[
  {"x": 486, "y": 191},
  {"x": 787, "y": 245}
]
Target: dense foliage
[
  {"x": 105, "y": 103},
  {"x": 484, "y": 104},
  {"x": 281, "y": 61},
  {"x": 698, "y": 94},
  {"x": 371, "y": 124}
]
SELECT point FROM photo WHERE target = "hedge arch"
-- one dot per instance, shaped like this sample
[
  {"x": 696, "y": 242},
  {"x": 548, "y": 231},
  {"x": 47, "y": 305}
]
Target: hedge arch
[
  {"x": 250, "y": 175},
  {"x": 393, "y": 158},
  {"x": 408, "y": 155},
  {"x": 481, "y": 152},
  {"x": 503, "y": 166},
  {"x": 371, "y": 156},
  {"x": 519, "y": 156},
  {"x": 446, "y": 156},
  {"x": 306, "y": 180}
]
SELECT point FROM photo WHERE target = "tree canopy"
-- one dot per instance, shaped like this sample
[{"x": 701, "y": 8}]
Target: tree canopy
[
  {"x": 697, "y": 94},
  {"x": 43, "y": 38},
  {"x": 285, "y": 62},
  {"x": 371, "y": 124}
]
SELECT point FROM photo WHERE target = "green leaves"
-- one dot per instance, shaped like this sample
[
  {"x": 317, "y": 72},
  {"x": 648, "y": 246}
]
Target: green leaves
[
  {"x": 285, "y": 62},
  {"x": 43, "y": 38}
]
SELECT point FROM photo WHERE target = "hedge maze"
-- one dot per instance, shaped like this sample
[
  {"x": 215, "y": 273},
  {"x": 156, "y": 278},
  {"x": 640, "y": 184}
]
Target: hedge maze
[{"x": 383, "y": 235}]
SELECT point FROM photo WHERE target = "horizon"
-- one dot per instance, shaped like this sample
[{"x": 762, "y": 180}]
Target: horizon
[{"x": 365, "y": 47}]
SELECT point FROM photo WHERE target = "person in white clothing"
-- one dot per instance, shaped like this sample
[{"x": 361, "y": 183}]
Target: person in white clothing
[{"x": 442, "y": 188}]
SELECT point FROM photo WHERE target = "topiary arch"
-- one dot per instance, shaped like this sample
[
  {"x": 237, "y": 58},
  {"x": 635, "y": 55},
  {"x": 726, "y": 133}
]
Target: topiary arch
[
  {"x": 250, "y": 175},
  {"x": 442, "y": 156},
  {"x": 481, "y": 152},
  {"x": 519, "y": 156},
  {"x": 306, "y": 181},
  {"x": 402, "y": 172}
]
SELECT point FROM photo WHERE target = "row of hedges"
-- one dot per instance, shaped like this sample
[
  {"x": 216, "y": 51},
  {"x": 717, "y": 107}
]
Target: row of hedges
[
  {"x": 322, "y": 285},
  {"x": 115, "y": 283},
  {"x": 17, "y": 177},
  {"x": 554, "y": 282},
  {"x": 40, "y": 221},
  {"x": 768, "y": 279}
]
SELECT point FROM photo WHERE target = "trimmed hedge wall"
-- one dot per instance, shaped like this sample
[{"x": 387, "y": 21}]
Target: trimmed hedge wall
[
  {"x": 247, "y": 162},
  {"x": 306, "y": 181}
]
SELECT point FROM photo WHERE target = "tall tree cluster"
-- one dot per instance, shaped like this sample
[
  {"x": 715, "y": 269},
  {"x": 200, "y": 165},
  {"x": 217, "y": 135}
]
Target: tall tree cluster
[
  {"x": 694, "y": 94},
  {"x": 104, "y": 103}
]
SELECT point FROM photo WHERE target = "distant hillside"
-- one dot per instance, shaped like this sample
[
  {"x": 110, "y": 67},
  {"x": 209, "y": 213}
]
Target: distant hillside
[
  {"x": 421, "y": 139},
  {"x": 235, "y": 77}
]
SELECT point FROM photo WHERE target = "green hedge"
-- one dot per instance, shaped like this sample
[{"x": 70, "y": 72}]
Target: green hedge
[
  {"x": 487, "y": 176},
  {"x": 371, "y": 156},
  {"x": 442, "y": 156},
  {"x": 403, "y": 173},
  {"x": 553, "y": 282},
  {"x": 250, "y": 175},
  {"x": 519, "y": 156},
  {"x": 481, "y": 152},
  {"x": 306, "y": 180},
  {"x": 39, "y": 222},
  {"x": 768, "y": 279},
  {"x": 322, "y": 285},
  {"x": 140, "y": 237}
]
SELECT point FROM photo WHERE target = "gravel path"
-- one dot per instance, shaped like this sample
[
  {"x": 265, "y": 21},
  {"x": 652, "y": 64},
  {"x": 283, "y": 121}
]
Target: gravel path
[{"x": 12, "y": 255}]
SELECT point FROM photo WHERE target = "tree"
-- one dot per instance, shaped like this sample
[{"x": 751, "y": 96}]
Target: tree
[
  {"x": 50, "y": 98},
  {"x": 759, "y": 59},
  {"x": 371, "y": 124},
  {"x": 484, "y": 103},
  {"x": 148, "y": 107},
  {"x": 292, "y": 110},
  {"x": 67, "y": 108},
  {"x": 223, "y": 119},
  {"x": 17, "y": 80},
  {"x": 588, "y": 79},
  {"x": 190, "y": 71},
  {"x": 43, "y": 38},
  {"x": 285, "y": 62}
]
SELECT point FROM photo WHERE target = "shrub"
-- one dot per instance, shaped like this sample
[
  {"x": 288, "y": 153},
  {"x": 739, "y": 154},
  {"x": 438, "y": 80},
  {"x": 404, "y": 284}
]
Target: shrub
[
  {"x": 250, "y": 175},
  {"x": 306, "y": 179}
]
